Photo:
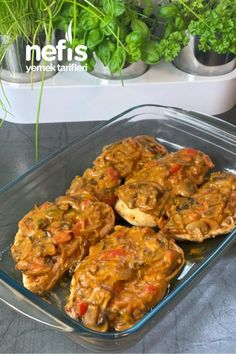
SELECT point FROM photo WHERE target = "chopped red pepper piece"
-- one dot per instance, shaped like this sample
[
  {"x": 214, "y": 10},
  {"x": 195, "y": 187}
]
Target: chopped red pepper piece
[
  {"x": 191, "y": 151},
  {"x": 108, "y": 255},
  {"x": 61, "y": 237},
  {"x": 175, "y": 168},
  {"x": 151, "y": 288},
  {"x": 81, "y": 308},
  {"x": 112, "y": 172},
  {"x": 78, "y": 227}
]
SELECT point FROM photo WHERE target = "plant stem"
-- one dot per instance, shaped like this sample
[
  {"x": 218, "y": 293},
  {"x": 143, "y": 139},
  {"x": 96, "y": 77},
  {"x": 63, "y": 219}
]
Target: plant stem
[
  {"x": 15, "y": 19},
  {"x": 194, "y": 13},
  {"x": 75, "y": 23},
  {"x": 48, "y": 37}
]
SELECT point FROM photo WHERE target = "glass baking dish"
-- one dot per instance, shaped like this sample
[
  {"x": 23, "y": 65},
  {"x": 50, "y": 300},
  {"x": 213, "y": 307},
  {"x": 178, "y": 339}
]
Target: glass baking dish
[{"x": 175, "y": 128}]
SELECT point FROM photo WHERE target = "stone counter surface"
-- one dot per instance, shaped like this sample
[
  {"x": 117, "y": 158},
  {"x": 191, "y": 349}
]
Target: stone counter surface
[{"x": 204, "y": 322}]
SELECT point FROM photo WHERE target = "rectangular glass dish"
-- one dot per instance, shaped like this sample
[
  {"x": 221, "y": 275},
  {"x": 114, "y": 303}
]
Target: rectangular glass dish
[{"x": 175, "y": 128}]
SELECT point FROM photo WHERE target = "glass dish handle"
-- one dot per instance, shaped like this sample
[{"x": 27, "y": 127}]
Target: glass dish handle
[{"x": 21, "y": 304}]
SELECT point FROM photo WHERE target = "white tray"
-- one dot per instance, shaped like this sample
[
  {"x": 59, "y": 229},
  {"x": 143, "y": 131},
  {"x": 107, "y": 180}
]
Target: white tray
[{"x": 79, "y": 96}]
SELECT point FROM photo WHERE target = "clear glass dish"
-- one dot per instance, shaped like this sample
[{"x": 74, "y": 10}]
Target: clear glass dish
[{"x": 175, "y": 128}]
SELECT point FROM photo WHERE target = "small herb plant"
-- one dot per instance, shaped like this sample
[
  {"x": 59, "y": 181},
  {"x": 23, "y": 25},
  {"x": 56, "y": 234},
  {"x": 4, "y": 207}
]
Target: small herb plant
[
  {"x": 213, "y": 21},
  {"x": 216, "y": 27},
  {"x": 27, "y": 19},
  {"x": 118, "y": 32}
]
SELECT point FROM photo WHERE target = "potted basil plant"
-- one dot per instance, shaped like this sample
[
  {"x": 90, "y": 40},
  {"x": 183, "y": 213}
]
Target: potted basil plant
[{"x": 119, "y": 35}]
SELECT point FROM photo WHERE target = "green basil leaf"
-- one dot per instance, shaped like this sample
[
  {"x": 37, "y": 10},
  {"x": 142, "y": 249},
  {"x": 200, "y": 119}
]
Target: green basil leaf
[
  {"x": 148, "y": 7},
  {"x": 105, "y": 51},
  {"x": 150, "y": 52},
  {"x": 141, "y": 27},
  {"x": 70, "y": 11},
  {"x": 76, "y": 42},
  {"x": 135, "y": 56},
  {"x": 88, "y": 21},
  {"x": 119, "y": 7},
  {"x": 95, "y": 37},
  {"x": 169, "y": 29},
  {"x": 179, "y": 23},
  {"x": 134, "y": 38},
  {"x": 168, "y": 11},
  {"x": 64, "y": 11},
  {"x": 111, "y": 46},
  {"x": 79, "y": 32},
  {"x": 90, "y": 63},
  {"x": 117, "y": 60},
  {"x": 108, "y": 25},
  {"x": 113, "y": 7},
  {"x": 108, "y": 7},
  {"x": 63, "y": 25},
  {"x": 122, "y": 32}
]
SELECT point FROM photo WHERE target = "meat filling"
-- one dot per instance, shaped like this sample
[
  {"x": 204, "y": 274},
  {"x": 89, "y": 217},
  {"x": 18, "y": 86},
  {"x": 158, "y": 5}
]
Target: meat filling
[
  {"x": 54, "y": 237},
  {"x": 153, "y": 189},
  {"x": 124, "y": 276},
  {"x": 116, "y": 163},
  {"x": 211, "y": 211}
]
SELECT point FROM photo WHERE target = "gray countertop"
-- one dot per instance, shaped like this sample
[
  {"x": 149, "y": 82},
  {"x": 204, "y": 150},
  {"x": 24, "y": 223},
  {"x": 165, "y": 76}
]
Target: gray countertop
[{"x": 204, "y": 322}]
